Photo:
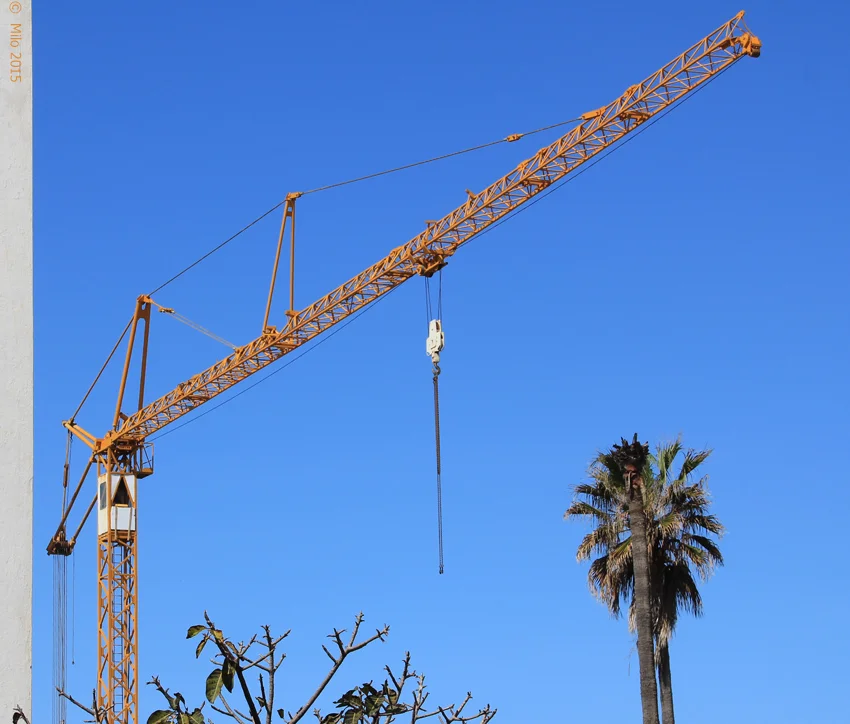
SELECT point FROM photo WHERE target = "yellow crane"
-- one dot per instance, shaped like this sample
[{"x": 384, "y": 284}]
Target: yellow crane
[{"x": 122, "y": 455}]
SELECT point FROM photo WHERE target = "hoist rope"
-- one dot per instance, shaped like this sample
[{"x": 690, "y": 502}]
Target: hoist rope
[
  {"x": 428, "y": 305},
  {"x": 73, "y": 605},
  {"x": 440, "y": 294},
  {"x": 60, "y": 582},
  {"x": 439, "y": 468},
  {"x": 60, "y": 607}
]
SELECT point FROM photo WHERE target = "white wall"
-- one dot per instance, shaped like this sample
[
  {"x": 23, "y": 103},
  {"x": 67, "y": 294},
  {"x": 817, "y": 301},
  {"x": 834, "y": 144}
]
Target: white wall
[{"x": 16, "y": 357}]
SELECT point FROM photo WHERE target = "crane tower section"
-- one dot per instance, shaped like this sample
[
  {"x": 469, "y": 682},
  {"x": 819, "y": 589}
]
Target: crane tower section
[{"x": 117, "y": 496}]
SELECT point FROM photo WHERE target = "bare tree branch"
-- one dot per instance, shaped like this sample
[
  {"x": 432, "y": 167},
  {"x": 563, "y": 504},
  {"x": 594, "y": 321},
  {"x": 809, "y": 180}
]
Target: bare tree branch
[
  {"x": 344, "y": 651},
  {"x": 70, "y": 698},
  {"x": 229, "y": 711},
  {"x": 271, "y": 645}
]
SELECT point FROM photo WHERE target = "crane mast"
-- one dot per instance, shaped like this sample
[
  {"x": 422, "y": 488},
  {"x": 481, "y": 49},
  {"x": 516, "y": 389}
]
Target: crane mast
[{"x": 123, "y": 456}]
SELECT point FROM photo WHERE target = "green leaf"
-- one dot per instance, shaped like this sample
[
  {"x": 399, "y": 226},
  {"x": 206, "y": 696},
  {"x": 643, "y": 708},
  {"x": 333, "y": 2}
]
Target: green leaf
[
  {"x": 373, "y": 704},
  {"x": 390, "y": 693},
  {"x": 352, "y": 716},
  {"x": 368, "y": 689},
  {"x": 219, "y": 636},
  {"x": 213, "y": 686},
  {"x": 341, "y": 700},
  {"x": 197, "y": 717},
  {"x": 194, "y": 631},
  {"x": 280, "y": 713},
  {"x": 184, "y": 718},
  {"x": 159, "y": 717},
  {"x": 227, "y": 672},
  {"x": 201, "y": 647},
  {"x": 332, "y": 718},
  {"x": 261, "y": 702},
  {"x": 350, "y": 698}
]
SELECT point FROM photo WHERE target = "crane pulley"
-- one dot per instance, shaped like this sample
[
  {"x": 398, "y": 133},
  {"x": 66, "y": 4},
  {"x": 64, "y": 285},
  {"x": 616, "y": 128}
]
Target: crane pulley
[{"x": 123, "y": 455}]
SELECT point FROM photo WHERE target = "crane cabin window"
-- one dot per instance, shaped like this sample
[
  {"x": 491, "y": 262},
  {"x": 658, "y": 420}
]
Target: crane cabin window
[
  {"x": 102, "y": 492},
  {"x": 122, "y": 495}
]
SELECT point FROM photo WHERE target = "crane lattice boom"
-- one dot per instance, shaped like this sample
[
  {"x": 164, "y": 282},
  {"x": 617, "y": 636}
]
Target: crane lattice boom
[{"x": 598, "y": 131}]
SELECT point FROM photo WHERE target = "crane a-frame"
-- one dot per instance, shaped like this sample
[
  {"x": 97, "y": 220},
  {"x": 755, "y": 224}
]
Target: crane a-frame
[{"x": 122, "y": 456}]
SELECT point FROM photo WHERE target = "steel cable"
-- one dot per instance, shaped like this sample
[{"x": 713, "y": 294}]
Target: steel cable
[{"x": 439, "y": 465}]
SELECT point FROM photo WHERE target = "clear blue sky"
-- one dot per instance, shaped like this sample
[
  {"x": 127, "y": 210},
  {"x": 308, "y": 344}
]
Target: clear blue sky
[{"x": 694, "y": 282}]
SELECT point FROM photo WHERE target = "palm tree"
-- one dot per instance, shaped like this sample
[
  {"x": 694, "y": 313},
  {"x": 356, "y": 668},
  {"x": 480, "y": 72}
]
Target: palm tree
[
  {"x": 630, "y": 458},
  {"x": 619, "y": 496},
  {"x": 678, "y": 538}
]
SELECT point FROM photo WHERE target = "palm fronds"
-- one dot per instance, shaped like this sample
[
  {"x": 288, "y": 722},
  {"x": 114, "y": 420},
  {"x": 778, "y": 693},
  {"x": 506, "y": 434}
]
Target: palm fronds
[{"x": 681, "y": 532}]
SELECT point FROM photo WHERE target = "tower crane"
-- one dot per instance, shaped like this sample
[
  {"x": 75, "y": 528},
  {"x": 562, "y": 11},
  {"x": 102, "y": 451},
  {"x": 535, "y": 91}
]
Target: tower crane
[{"x": 122, "y": 456}]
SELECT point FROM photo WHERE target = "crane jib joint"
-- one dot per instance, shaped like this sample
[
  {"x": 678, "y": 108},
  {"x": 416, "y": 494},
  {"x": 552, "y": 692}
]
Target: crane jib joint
[{"x": 430, "y": 266}]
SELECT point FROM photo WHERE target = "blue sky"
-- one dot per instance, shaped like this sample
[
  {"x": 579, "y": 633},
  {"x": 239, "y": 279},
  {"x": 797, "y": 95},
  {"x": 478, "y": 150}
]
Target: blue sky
[{"x": 693, "y": 283}]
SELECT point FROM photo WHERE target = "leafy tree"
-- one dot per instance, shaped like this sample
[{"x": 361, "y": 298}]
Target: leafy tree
[
  {"x": 247, "y": 673},
  {"x": 679, "y": 544}
]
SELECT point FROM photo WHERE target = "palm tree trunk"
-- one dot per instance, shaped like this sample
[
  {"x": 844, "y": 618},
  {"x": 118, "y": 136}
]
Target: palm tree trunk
[
  {"x": 643, "y": 604},
  {"x": 665, "y": 684}
]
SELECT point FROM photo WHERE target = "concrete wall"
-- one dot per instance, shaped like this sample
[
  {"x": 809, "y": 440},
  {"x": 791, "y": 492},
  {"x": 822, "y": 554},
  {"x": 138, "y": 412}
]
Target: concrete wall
[{"x": 16, "y": 357}]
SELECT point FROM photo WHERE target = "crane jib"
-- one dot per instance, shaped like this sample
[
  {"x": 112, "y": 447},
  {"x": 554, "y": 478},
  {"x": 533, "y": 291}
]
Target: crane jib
[{"x": 598, "y": 130}]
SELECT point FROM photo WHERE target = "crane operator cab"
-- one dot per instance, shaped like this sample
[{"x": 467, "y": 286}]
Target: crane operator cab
[{"x": 116, "y": 497}]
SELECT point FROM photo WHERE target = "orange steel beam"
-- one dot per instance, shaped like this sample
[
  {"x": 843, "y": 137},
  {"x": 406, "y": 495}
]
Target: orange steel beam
[
  {"x": 288, "y": 213},
  {"x": 141, "y": 314},
  {"x": 598, "y": 130}
]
